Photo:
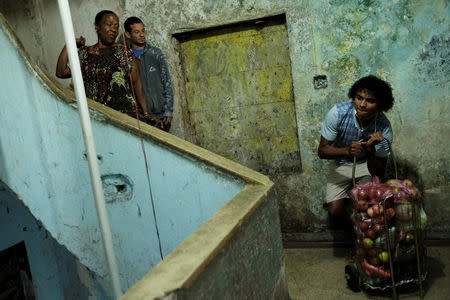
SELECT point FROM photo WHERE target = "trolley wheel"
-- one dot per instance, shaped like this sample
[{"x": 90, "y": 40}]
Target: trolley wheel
[{"x": 352, "y": 277}]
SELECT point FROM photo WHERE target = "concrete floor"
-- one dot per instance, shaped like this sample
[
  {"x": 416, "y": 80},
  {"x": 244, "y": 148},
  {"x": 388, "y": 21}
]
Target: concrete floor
[{"x": 319, "y": 274}]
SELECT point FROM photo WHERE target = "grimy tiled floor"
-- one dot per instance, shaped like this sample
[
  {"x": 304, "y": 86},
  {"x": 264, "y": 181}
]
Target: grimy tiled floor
[{"x": 318, "y": 273}]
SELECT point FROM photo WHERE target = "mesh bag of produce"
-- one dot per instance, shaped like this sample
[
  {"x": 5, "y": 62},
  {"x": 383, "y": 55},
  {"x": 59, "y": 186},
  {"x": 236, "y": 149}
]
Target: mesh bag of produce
[{"x": 389, "y": 223}]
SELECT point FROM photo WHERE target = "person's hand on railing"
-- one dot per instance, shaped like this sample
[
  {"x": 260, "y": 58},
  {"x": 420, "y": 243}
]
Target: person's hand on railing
[
  {"x": 154, "y": 120},
  {"x": 81, "y": 41}
]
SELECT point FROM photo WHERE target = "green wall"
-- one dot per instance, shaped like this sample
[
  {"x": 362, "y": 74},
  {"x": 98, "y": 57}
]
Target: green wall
[{"x": 407, "y": 44}]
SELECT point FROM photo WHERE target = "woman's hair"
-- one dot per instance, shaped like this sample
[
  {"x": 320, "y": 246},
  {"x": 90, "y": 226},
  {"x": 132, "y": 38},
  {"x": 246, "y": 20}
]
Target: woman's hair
[
  {"x": 99, "y": 17},
  {"x": 381, "y": 89},
  {"x": 131, "y": 21}
]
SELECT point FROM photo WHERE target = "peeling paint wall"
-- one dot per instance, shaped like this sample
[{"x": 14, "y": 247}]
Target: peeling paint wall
[
  {"x": 405, "y": 42},
  {"x": 53, "y": 268},
  {"x": 262, "y": 274}
]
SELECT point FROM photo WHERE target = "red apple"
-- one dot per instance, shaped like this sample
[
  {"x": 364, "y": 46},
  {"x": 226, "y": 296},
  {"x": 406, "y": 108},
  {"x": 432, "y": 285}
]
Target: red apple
[
  {"x": 363, "y": 226},
  {"x": 362, "y": 194},
  {"x": 362, "y": 205},
  {"x": 377, "y": 228},
  {"x": 372, "y": 193},
  {"x": 382, "y": 188},
  {"x": 370, "y": 233},
  {"x": 376, "y": 209}
]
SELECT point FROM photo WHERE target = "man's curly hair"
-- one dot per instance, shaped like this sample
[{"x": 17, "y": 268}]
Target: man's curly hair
[{"x": 381, "y": 89}]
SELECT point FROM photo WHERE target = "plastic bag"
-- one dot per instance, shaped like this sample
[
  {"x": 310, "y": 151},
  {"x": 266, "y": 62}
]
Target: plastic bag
[{"x": 388, "y": 218}]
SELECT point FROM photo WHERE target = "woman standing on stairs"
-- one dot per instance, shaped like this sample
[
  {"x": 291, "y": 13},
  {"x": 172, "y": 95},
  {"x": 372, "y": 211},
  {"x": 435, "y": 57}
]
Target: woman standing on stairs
[{"x": 106, "y": 68}]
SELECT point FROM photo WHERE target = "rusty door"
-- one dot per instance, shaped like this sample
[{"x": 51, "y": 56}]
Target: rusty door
[{"x": 239, "y": 94}]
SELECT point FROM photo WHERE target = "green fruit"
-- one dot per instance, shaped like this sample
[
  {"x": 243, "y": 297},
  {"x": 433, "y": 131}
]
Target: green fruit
[
  {"x": 381, "y": 240},
  {"x": 409, "y": 237},
  {"x": 368, "y": 243},
  {"x": 384, "y": 256}
]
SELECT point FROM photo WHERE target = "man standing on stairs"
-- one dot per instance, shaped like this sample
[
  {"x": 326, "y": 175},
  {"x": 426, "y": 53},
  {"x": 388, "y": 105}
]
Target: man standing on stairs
[{"x": 154, "y": 72}]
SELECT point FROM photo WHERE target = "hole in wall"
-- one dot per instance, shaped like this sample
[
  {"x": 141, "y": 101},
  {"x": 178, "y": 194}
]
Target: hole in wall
[
  {"x": 99, "y": 157},
  {"x": 320, "y": 82},
  {"x": 121, "y": 188},
  {"x": 117, "y": 188}
]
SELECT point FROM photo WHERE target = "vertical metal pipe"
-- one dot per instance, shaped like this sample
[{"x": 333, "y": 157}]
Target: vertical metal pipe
[
  {"x": 387, "y": 232},
  {"x": 416, "y": 222},
  {"x": 97, "y": 187}
]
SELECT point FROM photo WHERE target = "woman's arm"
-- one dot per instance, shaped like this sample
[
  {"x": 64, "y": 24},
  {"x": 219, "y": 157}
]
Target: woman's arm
[{"x": 62, "y": 68}]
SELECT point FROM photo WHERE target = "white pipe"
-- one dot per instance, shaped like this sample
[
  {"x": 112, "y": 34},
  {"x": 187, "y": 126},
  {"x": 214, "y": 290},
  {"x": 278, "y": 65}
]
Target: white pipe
[{"x": 97, "y": 187}]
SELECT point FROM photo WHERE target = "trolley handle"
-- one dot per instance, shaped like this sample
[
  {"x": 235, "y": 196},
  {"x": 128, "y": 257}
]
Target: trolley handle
[{"x": 391, "y": 155}]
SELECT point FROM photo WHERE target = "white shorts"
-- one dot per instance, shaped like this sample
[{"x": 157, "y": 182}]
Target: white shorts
[{"x": 340, "y": 179}]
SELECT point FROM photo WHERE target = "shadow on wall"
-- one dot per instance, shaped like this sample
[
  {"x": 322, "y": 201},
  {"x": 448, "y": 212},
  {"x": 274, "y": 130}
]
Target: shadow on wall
[{"x": 405, "y": 170}]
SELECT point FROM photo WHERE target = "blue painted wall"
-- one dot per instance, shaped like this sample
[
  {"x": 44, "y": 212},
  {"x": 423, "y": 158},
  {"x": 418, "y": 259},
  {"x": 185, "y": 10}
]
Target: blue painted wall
[
  {"x": 42, "y": 161},
  {"x": 53, "y": 268}
]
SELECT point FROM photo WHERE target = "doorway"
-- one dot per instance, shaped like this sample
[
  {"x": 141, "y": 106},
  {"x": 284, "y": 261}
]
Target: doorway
[
  {"x": 15, "y": 275},
  {"x": 239, "y": 95}
]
